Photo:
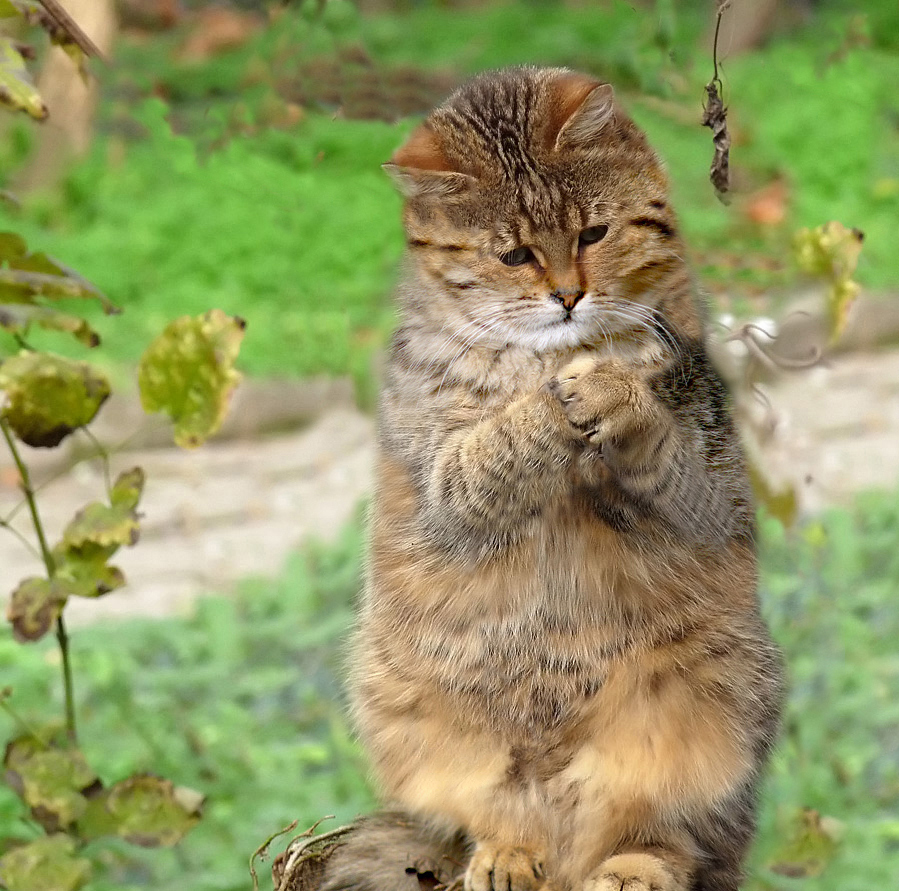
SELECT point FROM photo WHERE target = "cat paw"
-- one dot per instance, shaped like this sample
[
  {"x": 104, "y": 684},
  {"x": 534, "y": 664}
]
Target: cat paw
[
  {"x": 498, "y": 868},
  {"x": 605, "y": 400},
  {"x": 633, "y": 872}
]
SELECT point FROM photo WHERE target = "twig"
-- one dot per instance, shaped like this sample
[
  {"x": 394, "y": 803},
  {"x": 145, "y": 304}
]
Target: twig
[
  {"x": 745, "y": 335},
  {"x": 104, "y": 459},
  {"x": 66, "y": 23},
  {"x": 50, "y": 565},
  {"x": 10, "y": 528},
  {"x": 262, "y": 850}
]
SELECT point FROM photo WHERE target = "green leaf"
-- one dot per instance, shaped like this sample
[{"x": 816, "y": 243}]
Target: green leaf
[
  {"x": 782, "y": 503},
  {"x": 811, "y": 845},
  {"x": 35, "y": 606},
  {"x": 23, "y": 283},
  {"x": 46, "y": 864},
  {"x": 25, "y": 276},
  {"x": 12, "y": 247},
  {"x": 128, "y": 488},
  {"x": 831, "y": 252},
  {"x": 17, "y": 91},
  {"x": 86, "y": 570},
  {"x": 18, "y": 319},
  {"x": 102, "y": 524},
  {"x": 51, "y": 781},
  {"x": 7, "y": 10},
  {"x": 49, "y": 396},
  {"x": 95, "y": 534},
  {"x": 109, "y": 525},
  {"x": 144, "y": 810},
  {"x": 188, "y": 372}
]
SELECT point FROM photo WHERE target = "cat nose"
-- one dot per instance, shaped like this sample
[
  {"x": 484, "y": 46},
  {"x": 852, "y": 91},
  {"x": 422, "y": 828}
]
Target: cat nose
[{"x": 568, "y": 299}]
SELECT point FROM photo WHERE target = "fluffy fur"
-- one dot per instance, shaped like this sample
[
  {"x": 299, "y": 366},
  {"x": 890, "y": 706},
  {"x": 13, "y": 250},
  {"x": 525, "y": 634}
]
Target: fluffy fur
[{"x": 560, "y": 652}]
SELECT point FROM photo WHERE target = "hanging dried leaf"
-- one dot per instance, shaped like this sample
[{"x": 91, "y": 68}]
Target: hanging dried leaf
[
  {"x": 188, "y": 372},
  {"x": 831, "y": 252},
  {"x": 48, "y": 396},
  {"x": 714, "y": 115},
  {"x": 50, "y": 862}
]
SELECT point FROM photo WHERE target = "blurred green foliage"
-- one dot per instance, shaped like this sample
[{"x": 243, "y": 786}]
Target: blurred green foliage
[
  {"x": 245, "y": 187},
  {"x": 243, "y": 700},
  {"x": 240, "y": 700}
]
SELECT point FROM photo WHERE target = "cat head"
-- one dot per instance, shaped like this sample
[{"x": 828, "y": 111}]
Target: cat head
[{"x": 537, "y": 214}]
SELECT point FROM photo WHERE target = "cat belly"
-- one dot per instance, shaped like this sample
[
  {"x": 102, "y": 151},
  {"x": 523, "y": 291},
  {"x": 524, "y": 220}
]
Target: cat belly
[
  {"x": 550, "y": 698},
  {"x": 651, "y": 748}
]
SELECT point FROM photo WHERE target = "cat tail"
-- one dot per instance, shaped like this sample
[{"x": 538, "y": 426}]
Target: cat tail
[{"x": 385, "y": 851}]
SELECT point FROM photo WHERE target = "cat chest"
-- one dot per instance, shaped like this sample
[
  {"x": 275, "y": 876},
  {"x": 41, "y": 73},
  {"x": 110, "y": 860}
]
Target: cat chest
[{"x": 524, "y": 675}]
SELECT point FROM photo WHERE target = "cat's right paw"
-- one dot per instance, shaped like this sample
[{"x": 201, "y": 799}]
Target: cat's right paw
[
  {"x": 499, "y": 868},
  {"x": 633, "y": 872}
]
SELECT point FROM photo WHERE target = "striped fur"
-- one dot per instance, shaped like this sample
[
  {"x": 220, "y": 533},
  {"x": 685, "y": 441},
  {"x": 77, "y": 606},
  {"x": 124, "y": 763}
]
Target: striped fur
[{"x": 560, "y": 652}]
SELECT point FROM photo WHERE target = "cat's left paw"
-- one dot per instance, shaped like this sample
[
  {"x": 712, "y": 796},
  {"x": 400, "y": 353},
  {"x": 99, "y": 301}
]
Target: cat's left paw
[
  {"x": 633, "y": 872},
  {"x": 499, "y": 868},
  {"x": 606, "y": 400}
]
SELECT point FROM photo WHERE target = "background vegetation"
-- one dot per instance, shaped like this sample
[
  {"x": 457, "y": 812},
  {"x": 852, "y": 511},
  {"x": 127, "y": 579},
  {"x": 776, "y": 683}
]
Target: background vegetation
[
  {"x": 251, "y": 176},
  {"x": 248, "y": 178}
]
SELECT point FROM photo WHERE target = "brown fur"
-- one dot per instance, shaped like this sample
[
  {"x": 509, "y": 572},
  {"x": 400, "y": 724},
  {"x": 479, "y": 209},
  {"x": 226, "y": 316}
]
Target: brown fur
[{"x": 560, "y": 650}]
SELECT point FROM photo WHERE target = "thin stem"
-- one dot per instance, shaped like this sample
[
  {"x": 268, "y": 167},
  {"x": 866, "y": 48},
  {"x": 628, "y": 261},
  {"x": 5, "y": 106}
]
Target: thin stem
[
  {"x": 61, "y": 635},
  {"x": 28, "y": 491},
  {"x": 104, "y": 458},
  {"x": 25, "y": 542},
  {"x": 722, "y": 6},
  {"x": 63, "y": 638},
  {"x": 17, "y": 718}
]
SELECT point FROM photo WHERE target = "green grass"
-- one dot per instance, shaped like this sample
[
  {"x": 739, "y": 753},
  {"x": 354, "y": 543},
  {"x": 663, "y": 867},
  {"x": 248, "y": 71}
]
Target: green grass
[
  {"x": 244, "y": 701},
  {"x": 241, "y": 701},
  {"x": 295, "y": 227}
]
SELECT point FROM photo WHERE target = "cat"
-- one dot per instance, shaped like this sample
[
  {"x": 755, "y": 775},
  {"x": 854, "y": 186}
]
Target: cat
[{"x": 560, "y": 666}]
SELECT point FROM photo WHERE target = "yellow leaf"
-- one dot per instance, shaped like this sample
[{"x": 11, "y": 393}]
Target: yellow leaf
[
  {"x": 831, "y": 252},
  {"x": 16, "y": 88}
]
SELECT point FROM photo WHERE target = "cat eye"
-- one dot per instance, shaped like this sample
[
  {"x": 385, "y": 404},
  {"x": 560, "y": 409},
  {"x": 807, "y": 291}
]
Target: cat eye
[
  {"x": 592, "y": 234},
  {"x": 518, "y": 257}
]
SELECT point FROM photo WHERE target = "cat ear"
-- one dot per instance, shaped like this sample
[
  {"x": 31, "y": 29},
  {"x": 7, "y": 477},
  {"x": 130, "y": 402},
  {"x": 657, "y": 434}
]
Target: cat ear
[
  {"x": 584, "y": 108},
  {"x": 420, "y": 167}
]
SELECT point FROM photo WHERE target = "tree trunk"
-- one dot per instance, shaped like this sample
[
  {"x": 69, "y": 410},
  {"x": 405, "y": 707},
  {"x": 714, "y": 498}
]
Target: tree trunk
[{"x": 67, "y": 132}]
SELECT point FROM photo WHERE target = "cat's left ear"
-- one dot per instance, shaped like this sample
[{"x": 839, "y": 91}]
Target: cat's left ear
[
  {"x": 584, "y": 108},
  {"x": 421, "y": 167}
]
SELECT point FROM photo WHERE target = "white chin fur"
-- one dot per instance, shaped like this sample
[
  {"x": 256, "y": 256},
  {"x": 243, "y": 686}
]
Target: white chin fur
[{"x": 563, "y": 335}]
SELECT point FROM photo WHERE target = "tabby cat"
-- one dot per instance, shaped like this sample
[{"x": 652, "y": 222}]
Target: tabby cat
[{"x": 560, "y": 662}]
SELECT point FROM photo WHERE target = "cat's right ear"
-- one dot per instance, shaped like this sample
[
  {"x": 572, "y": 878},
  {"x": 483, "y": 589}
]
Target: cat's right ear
[
  {"x": 584, "y": 108},
  {"x": 420, "y": 167}
]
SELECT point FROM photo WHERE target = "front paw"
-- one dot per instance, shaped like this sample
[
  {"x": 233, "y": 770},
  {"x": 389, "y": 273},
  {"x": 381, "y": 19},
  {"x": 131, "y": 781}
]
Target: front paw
[
  {"x": 606, "y": 401},
  {"x": 499, "y": 868},
  {"x": 633, "y": 872}
]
